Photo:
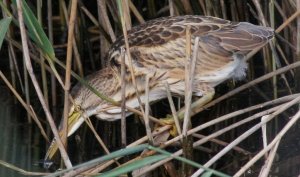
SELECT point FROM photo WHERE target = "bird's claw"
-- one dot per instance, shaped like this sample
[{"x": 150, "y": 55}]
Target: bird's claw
[{"x": 170, "y": 121}]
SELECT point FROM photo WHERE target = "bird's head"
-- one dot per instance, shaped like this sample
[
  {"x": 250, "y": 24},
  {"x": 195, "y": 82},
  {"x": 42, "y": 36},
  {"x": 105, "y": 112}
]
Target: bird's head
[
  {"x": 85, "y": 104},
  {"x": 75, "y": 120}
]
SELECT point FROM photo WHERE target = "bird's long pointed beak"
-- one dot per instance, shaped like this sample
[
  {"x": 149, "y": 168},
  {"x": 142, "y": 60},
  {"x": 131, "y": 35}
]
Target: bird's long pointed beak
[{"x": 75, "y": 119}]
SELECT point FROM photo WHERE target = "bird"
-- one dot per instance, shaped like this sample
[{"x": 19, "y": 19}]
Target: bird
[{"x": 158, "y": 52}]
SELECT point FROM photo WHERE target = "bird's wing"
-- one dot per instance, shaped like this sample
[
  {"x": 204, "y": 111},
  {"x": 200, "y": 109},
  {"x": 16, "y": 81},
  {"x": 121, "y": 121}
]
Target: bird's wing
[{"x": 161, "y": 43}]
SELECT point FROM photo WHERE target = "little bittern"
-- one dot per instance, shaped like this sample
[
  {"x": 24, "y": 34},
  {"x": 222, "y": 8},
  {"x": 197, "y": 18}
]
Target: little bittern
[{"x": 158, "y": 51}]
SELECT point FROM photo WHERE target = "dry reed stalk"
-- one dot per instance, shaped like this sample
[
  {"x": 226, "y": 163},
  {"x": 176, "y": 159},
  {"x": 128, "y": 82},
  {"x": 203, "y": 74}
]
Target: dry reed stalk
[
  {"x": 68, "y": 71},
  {"x": 264, "y": 134},
  {"x": 37, "y": 87},
  {"x": 124, "y": 29},
  {"x": 20, "y": 170},
  {"x": 279, "y": 49},
  {"x": 26, "y": 87},
  {"x": 187, "y": 68},
  {"x": 74, "y": 45},
  {"x": 26, "y": 107},
  {"x": 298, "y": 32},
  {"x": 280, "y": 100},
  {"x": 109, "y": 37},
  {"x": 105, "y": 23},
  {"x": 288, "y": 44},
  {"x": 12, "y": 69},
  {"x": 189, "y": 82},
  {"x": 189, "y": 74},
  {"x": 34, "y": 57},
  {"x": 283, "y": 15},
  {"x": 99, "y": 139},
  {"x": 113, "y": 9},
  {"x": 209, "y": 8},
  {"x": 136, "y": 13},
  {"x": 50, "y": 36},
  {"x": 218, "y": 133},
  {"x": 279, "y": 71},
  {"x": 43, "y": 71},
  {"x": 224, "y": 11},
  {"x": 187, "y": 7},
  {"x": 147, "y": 108},
  {"x": 239, "y": 17},
  {"x": 12, "y": 57},
  {"x": 225, "y": 117},
  {"x": 213, "y": 135},
  {"x": 173, "y": 109},
  {"x": 268, "y": 162},
  {"x": 202, "y": 5},
  {"x": 123, "y": 104},
  {"x": 104, "y": 16},
  {"x": 247, "y": 134},
  {"x": 222, "y": 143},
  {"x": 278, "y": 137},
  {"x": 171, "y": 7},
  {"x": 126, "y": 13},
  {"x": 288, "y": 21}
]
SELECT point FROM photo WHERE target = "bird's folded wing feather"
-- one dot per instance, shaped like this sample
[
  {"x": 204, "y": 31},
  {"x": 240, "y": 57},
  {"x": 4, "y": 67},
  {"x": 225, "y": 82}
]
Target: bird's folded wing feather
[{"x": 161, "y": 43}]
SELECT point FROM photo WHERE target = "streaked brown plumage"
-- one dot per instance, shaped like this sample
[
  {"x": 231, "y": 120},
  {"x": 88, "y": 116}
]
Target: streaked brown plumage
[{"x": 158, "y": 51}]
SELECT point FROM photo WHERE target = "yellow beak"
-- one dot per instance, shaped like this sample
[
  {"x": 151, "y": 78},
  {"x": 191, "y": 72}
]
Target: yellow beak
[{"x": 75, "y": 119}]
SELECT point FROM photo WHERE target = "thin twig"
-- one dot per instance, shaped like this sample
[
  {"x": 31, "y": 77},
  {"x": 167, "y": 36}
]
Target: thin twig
[
  {"x": 207, "y": 138},
  {"x": 269, "y": 161},
  {"x": 187, "y": 88},
  {"x": 37, "y": 87},
  {"x": 190, "y": 87},
  {"x": 95, "y": 22},
  {"x": 247, "y": 134},
  {"x": 107, "y": 25},
  {"x": 222, "y": 143},
  {"x": 264, "y": 132},
  {"x": 137, "y": 14},
  {"x": 293, "y": 120},
  {"x": 75, "y": 48},
  {"x": 288, "y": 21},
  {"x": 123, "y": 104},
  {"x": 26, "y": 107},
  {"x": 173, "y": 109},
  {"x": 20, "y": 170},
  {"x": 147, "y": 108},
  {"x": 122, "y": 14},
  {"x": 102, "y": 144},
  {"x": 171, "y": 7},
  {"x": 68, "y": 71}
]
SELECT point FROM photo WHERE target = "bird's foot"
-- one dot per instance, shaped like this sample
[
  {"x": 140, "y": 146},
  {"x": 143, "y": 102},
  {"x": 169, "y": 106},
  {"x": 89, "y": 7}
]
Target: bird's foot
[{"x": 169, "y": 120}]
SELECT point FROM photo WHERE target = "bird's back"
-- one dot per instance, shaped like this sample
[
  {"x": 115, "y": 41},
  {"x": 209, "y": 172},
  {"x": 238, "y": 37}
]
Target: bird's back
[
  {"x": 160, "y": 46},
  {"x": 161, "y": 42}
]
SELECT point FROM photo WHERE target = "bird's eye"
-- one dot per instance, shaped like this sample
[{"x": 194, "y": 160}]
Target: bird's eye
[{"x": 77, "y": 108}]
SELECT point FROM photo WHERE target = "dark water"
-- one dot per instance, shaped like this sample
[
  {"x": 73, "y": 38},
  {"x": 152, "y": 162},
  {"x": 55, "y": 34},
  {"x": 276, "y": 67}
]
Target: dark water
[{"x": 19, "y": 141}]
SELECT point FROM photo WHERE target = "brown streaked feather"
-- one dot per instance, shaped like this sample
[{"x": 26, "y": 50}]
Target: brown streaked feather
[
  {"x": 103, "y": 80},
  {"x": 160, "y": 43}
]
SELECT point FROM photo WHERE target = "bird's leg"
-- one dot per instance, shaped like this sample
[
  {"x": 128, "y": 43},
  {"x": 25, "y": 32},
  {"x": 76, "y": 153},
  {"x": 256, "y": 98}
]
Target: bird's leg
[
  {"x": 207, "y": 96},
  {"x": 198, "y": 104}
]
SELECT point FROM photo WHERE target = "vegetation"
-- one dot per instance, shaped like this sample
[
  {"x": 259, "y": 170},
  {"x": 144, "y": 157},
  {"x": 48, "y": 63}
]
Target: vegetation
[{"x": 239, "y": 133}]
